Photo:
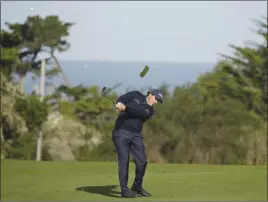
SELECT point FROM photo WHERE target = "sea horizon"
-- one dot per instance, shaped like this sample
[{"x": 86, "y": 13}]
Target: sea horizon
[{"x": 109, "y": 73}]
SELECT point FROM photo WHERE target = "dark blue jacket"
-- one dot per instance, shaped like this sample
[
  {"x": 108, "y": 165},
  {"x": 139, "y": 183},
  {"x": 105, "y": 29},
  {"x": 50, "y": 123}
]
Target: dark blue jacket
[{"x": 136, "y": 113}]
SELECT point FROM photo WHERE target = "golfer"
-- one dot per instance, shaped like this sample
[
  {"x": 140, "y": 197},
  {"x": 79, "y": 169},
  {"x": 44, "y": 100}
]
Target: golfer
[{"x": 135, "y": 108}]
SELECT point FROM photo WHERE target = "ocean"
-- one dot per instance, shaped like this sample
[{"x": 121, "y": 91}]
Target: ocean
[{"x": 108, "y": 74}]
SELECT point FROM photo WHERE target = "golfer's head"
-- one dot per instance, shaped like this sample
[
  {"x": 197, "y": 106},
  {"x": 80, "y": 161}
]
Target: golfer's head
[{"x": 154, "y": 96}]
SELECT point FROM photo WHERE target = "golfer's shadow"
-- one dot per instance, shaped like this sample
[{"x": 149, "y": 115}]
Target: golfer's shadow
[{"x": 106, "y": 190}]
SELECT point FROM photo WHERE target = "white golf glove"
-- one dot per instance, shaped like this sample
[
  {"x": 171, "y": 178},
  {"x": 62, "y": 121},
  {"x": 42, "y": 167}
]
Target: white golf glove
[{"x": 120, "y": 106}]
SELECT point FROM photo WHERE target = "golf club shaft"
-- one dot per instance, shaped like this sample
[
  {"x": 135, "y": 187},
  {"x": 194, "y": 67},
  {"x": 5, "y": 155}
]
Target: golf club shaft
[{"x": 110, "y": 99}]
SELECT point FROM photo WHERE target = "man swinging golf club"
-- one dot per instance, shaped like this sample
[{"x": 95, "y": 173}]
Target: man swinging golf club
[{"x": 135, "y": 108}]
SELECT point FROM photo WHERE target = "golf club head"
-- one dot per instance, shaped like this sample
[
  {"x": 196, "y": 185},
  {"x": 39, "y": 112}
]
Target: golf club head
[{"x": 103, "y": 89}]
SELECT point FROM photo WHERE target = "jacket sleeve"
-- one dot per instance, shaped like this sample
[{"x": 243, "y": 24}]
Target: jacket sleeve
[
  {"x": 139, "y": 110},
  {"x": 125, "y": 98}
]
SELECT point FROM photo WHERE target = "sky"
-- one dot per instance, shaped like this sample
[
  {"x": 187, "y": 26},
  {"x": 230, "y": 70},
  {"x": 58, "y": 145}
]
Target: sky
[{"x": 155, "y": 31}]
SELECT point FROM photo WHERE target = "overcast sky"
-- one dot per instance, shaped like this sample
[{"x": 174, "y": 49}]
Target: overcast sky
[{"x": 147, "y": 31}]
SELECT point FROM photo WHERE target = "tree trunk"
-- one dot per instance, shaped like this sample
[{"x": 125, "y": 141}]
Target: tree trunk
[
  {"x": 22, "y": 81},
  {"x": 65, "y": 78}
]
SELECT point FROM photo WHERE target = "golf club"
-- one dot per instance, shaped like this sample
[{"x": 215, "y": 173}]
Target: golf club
[{"x": 103, "y": 92}]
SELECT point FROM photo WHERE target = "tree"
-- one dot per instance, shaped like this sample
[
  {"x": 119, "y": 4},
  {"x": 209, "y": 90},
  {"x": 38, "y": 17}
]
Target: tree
[
  {"x": 33, "y": 111},
  {"x": 249, "y": 67},
  {"x": 13, "y": 126},
  {"x": 85, "y": 103},
  {"x": 27, "y": 49},
  {"x": 32, "y": 37},
  {"x": 55, "y": 31},
  {"x": 9, "y": 52}
]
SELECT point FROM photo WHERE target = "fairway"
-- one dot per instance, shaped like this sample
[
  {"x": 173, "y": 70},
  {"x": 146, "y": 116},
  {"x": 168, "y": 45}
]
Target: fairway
[{"x": 85, "y": 181}]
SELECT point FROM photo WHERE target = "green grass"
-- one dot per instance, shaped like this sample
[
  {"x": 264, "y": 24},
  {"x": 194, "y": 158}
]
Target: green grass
[{"x": 30, "y": 180}]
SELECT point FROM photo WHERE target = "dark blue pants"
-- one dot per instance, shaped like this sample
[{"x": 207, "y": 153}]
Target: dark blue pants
[{"x": 126, "y": 142}]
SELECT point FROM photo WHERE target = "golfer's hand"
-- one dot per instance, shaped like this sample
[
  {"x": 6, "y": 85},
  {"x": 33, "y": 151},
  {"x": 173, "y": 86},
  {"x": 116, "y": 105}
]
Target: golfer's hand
[{"x": 120, "y": 106}]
